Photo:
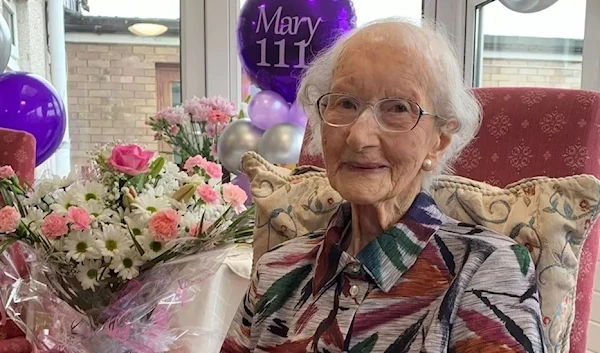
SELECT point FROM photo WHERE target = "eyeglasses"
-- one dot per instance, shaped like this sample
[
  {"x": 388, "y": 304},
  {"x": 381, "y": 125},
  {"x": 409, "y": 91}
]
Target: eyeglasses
[{"x": 391, "y": 114}]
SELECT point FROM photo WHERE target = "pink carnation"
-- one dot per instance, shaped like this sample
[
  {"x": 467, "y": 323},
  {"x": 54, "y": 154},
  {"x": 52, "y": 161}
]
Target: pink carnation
[
  {"x": 9, "y": 219},
  {"x": 208, "y": 194},
  {"x": 235, "y": 196},
  {"x": 213, "y": 170},
  {"x": 54, "y": 226},
  {"x": 213, "y": 130},
  {"x": 79, "y": 218},
  {"x": 6, "y": 172},
  {"x": 193, "y": 162},
  {"x": 197, "y": 110},
  {"x": 218, "y": 117},
  {"x": 163, "y": 225},
  {"x": 194, "y": 228},
  {"x": 221, "y": 104},
  {"x": 173, "y": 116},
  {"x": 174, "y": 130}
]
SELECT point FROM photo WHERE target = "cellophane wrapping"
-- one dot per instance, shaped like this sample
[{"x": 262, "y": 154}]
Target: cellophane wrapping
[{"x": 139, "y": 317}]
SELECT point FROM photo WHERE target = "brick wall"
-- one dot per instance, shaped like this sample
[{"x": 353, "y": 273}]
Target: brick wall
[
  {"x": 111, "y": 93},
  {"x": 531, "y": 73}
]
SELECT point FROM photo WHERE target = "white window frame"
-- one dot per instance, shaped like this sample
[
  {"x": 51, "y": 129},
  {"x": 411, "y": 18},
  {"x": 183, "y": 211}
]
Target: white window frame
[
  {"x": 193, "y": 48},
  {"x": 458, "y": 17},
  {"x": 13, "y": 63}
]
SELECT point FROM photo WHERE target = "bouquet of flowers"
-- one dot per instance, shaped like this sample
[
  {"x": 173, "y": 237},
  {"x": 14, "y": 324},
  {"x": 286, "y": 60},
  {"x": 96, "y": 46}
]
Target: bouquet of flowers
[
  {"x": 193, "y": 128},
  {"x": 114, "y": 246}
]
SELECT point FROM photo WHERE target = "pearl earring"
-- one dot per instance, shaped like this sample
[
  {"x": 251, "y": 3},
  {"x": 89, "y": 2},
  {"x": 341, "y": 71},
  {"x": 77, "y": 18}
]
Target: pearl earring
[{"x": 427, "y": 164}]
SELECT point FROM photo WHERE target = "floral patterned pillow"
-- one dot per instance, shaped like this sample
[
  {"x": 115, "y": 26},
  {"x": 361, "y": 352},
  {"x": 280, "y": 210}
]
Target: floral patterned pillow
[
  {"x": 288, "y": 203},
  {"x": 551, "y": 217}
]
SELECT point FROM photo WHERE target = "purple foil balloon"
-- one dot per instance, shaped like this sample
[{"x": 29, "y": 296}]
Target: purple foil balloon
[
  {"x": 297, "y": 116},
  {"x": 268, "y": 108},
  {"x": 277, "y": 39},
  {"x": 30, "y": 103}
]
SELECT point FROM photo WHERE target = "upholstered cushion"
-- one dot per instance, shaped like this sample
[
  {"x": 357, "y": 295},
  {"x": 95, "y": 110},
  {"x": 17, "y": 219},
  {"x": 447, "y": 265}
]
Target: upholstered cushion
[
  {"x": 551, "y": 217},
  {"x": 288, "y": 203}
]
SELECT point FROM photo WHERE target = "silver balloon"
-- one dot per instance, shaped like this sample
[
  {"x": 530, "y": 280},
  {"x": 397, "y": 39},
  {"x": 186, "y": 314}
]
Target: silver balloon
[
  {"x": 238, "y": 138},
  {"x": 282, "y": 143},
  {"x": 528, "y": 6},
  {"x": 5, "y": 44}
]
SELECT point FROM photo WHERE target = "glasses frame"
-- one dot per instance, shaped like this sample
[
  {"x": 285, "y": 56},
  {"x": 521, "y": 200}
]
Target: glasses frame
[{"x": 422, "y": 112}]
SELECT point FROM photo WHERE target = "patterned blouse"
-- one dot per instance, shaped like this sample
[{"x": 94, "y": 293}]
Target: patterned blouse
[{"x": 427, "y": 284}]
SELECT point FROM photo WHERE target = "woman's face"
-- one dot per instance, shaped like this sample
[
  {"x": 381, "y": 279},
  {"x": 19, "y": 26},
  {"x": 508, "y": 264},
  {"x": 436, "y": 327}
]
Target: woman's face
[{"x": 366, "y": 164}]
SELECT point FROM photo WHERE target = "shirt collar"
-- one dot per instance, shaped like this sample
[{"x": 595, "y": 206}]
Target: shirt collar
[{"x": 387, "y": 257}]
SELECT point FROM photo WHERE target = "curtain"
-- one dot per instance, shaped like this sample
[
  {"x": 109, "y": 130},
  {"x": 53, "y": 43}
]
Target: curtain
[{"x": 528, "y": 6}]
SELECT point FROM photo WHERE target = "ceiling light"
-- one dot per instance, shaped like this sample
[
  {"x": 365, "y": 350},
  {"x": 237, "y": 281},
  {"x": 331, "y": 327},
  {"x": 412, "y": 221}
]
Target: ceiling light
[{"x": 147, "y": 29}]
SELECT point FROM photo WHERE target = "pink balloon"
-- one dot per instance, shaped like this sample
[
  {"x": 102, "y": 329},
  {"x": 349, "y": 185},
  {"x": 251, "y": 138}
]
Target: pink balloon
[
  {"x": 268, "y": 108},
  {"x": 297, "y": 116}
]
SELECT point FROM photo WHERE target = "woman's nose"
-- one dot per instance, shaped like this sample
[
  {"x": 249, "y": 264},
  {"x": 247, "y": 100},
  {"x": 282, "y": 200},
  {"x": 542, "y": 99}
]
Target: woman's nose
[{"x": 364, "y": 132}]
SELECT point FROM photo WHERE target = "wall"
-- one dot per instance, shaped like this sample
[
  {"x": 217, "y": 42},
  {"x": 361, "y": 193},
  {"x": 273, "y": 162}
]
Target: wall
[
  {"x": 531, "y": 73},
  {"x": 112, "y": 92}
]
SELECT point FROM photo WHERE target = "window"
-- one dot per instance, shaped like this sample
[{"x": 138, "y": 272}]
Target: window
[
  {"x": 119, "y": 76},
  {"x": 9, "y": 13},
  {"x": 533, "y": 51}
]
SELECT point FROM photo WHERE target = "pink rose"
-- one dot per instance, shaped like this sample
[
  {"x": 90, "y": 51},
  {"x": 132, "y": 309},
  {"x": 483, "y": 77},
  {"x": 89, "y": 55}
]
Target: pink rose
[
  {"x": 6, "y": 172},
  {"x": 235, "y": 196},
  {"x": 54, "y": 226},
  {"x": 194, "y": 229},
  {"x": 193, "y": 162},
  {"x": 213, "y": 170},
  {"x": 9, "y": 219},
  {"x": 163, "y": 225},
  {"x": 208, "y": 194},
  {"x": 130, "y": 159},
  {"x": 79, "y": 218}
]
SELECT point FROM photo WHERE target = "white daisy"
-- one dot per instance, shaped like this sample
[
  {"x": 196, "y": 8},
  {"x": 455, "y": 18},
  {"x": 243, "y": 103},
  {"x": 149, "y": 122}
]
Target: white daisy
[
  {"x": 99, "y": 212},
  {"x": 64, "y": 200},
  {"x": 148, "y": 203},
  {"x": 127, "y": 266},
  {"x": 113, "y": 241},
  {"x": 34, "y": 218},
  {"x": 80, "y": 246},
  {"x": 152, "y": 248},
  {"x": 89, "y": 191},
  {"x": 88, "y": 274},
  {"x": 136, "y": 223}
]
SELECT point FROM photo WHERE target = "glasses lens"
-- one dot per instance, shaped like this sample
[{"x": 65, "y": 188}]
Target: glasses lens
[
  {"x": 397, "y": 114},
  {"x": 339, "y": 109}
]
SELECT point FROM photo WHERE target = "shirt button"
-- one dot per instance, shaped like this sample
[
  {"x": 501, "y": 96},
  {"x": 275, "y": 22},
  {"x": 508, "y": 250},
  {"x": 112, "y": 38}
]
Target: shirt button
[
  {"x": 353, "y": 290},
  {"x": 355, "y": 268}
]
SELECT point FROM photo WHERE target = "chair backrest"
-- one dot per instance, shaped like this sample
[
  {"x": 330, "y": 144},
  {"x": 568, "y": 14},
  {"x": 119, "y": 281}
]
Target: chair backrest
[{"x": 529, "y": 132}]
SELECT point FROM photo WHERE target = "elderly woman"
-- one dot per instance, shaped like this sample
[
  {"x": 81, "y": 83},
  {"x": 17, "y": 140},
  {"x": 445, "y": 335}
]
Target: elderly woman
[{"x": 389, "y": 110}]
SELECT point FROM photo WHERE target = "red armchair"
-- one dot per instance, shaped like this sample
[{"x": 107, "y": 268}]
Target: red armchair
[
  {"x": 17, "y": 149},
  {"x": 530, "y": 132}
]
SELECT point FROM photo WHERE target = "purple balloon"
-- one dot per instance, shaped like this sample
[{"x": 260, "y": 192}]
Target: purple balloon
[
  {"x": 268, "y": 108},
  {"x": 277, "y": 39},
  {"x": 243, "y": 182},
  {"x": 30, "y": 103},
  {"x": 297, "y": 116}
]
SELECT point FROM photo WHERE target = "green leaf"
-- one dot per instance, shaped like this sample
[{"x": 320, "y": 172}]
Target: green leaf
[
  {"x": 531, "y": 222},
  {"x": 549, "y": 210},
  {"x": 135, "y": 242},
  {"x": 523, "y": 257},
  {"x": 6, "y": 243},
  {"x": 280, "y": 292},
  {"x": 157, "y": 166},
  {"x": 365, "y": 346},
  {"x": 318, "y": 206},
  {"x": 554, "y": 203}
]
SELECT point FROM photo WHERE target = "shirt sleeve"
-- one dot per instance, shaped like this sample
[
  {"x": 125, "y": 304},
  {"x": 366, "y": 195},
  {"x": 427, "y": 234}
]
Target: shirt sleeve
[
  {"x": 238, "y": 338},
  {"x": 500, "y": 310}
]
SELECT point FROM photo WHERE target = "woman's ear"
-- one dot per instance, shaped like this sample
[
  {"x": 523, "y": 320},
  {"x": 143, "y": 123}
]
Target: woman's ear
[{"x": 439, "y": 147}]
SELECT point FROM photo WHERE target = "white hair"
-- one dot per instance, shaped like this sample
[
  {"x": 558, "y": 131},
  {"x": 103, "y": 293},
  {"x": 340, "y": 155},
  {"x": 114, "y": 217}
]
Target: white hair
[{"x": 451, "y": 98}]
